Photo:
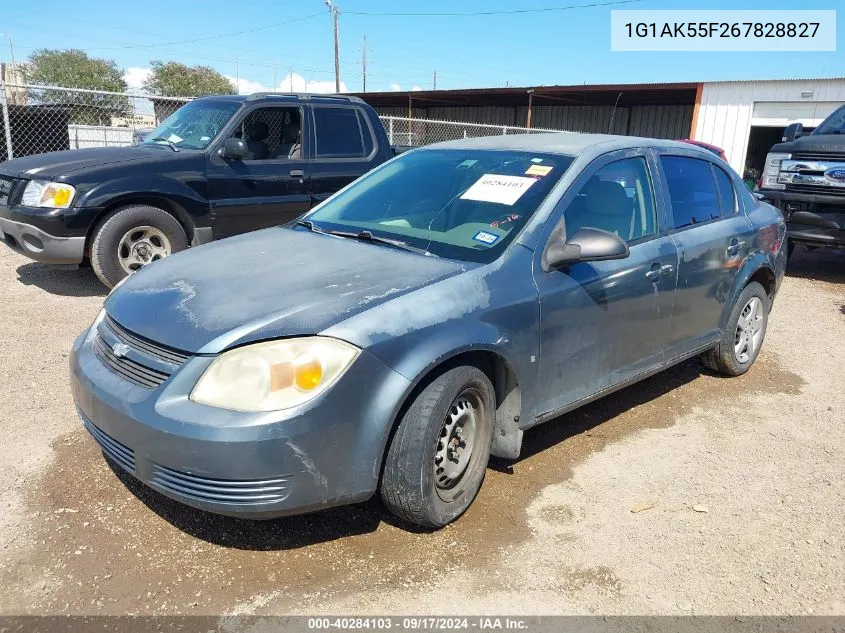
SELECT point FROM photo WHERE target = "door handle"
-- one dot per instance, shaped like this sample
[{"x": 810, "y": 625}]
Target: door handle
[
  {"x": 735, "y": 246},
  {"x": 666, "y": 270},
  {"x": 655, "y": 272},
  {"x": 296, "y": 173}
]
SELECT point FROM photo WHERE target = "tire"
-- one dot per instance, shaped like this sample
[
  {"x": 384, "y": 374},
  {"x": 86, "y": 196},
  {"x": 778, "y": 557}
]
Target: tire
[
  {"x": 740, "y": 346},
  {"x": 410, "y": 487},
  {"x": 162, "y": 232}
]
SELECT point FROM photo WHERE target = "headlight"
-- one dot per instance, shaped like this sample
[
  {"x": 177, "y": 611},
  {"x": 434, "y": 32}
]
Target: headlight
[
  {"x": 274, "y": 375},
  {"x": 52, "y": 195},
  {"x": 772, "y": 169}
]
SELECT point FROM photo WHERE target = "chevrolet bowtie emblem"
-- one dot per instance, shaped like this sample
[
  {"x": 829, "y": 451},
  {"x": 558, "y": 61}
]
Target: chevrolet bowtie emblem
[{"x": 120, "y": 349}]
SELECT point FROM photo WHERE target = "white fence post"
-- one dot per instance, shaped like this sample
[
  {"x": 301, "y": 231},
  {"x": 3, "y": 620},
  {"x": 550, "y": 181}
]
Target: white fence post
[
  {"x": 7, "y": 128},
  {"x": 390, "y": 133}
]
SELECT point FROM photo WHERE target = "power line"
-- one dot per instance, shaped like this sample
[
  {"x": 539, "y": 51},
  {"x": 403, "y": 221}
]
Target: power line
[{"x": 501, "y": 12}]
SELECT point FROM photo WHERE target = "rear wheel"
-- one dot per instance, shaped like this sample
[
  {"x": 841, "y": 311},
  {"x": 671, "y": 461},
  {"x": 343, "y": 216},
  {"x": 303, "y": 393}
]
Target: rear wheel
[
  {"x": 438, "y": 456},
  {"x": 744, "y": 333},
  {"x": 132, "y": 237}
]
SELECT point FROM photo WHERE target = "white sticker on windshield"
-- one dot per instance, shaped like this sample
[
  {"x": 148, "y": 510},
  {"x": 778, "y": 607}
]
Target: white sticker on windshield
[
  {"x": 499, "y": 189},
  {"x": 173, "y": 138},
  {"x": 205, "y": 138}
]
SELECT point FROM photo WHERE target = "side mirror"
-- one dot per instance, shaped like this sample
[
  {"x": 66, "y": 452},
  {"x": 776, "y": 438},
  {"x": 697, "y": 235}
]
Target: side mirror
[
  {"x": 792, "y": 132},
  {"x": 234, "y": 148},
  {"x": 586, "y": 245}
]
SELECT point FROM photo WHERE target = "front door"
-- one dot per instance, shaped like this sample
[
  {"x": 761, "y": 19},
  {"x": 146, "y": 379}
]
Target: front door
[
  {"x": 602, "y": 323},
  {"x": 270, "y": 185},
  {"x": 713, "y": 238}
]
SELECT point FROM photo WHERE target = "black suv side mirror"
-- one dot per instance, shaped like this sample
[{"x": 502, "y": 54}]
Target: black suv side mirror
[
  {"x": 588, "y": 244},
  {"x": 792, "y": 132},
  {"x": 234, "y": 148}
]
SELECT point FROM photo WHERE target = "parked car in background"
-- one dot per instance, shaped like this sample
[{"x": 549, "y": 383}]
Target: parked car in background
[
  {"x": 804, "y": 177},
  {"x": 217, "y": 167},
  {"x": 422, "y": 318},
  {"x": 710, "y": 148}
]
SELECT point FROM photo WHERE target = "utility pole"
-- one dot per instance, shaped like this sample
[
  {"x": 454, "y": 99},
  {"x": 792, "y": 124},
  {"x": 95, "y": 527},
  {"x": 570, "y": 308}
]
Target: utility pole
[
  {"x": 291, "y": 80},
  {"x": 435, "y": 80},
  {"x": 364, "y": 62},
  {"x": 335, "y": 11},
  {"x": 530, "y": 103}
]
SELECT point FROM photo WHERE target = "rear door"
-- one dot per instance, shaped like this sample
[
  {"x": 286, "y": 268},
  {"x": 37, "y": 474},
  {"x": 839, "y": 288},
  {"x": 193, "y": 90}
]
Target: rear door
[
  {"x": 344, "y": 148},
  {"x": 602, "y": 323},
  {"x": 267, "y": 187},
  {"x": 713, "y": 238}
]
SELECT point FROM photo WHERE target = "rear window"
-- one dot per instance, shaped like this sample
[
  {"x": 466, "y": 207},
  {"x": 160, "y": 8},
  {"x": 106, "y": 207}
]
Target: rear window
[
  {"x": 692, "y": 190},
  {"x": 727, "y": 197},
  {"x": 339, "y": 133}
]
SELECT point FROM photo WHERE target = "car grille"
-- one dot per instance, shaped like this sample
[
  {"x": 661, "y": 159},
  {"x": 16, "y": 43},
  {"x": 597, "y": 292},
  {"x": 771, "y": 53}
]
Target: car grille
[
  {"x": 241, "y": 492},
  {"x": 6, "y": 185},
  {"x": 123, "y": 455},
  {"x": 155, "y": 363},
  {"x": 825, "y": 156},
  {"x": 818, "y": 189}
]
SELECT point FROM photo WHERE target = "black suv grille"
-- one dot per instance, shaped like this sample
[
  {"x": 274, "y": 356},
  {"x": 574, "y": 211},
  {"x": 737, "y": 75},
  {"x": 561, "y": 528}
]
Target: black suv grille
[
  {"x": 6, "y": 185},
  {"x": 152, "y": 365},
  {"x": 820, "y": 156}
]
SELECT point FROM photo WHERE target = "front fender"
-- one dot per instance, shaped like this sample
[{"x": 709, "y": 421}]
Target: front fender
[
  {"x": 128, "y": 189},
  {"x": 756, "y": 261}
]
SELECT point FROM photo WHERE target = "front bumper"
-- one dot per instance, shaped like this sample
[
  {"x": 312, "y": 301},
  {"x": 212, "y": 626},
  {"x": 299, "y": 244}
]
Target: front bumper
[
  {"x": 817, "y": 219},
  {"x": 324, "y": 453},
  {"x": 39, "y": 245}
]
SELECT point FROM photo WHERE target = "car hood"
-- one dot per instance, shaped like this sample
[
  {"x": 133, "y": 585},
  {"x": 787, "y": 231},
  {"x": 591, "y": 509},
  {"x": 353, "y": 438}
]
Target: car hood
[
  {"x": 269, "y": 284},
  {"x": 817, "y": 143},
  {"x": 62, "y": 164}
]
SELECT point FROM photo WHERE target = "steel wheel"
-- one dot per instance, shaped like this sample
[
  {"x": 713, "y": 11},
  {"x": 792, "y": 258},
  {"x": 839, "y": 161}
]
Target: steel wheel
[
  {"x": 749, "y": 330},
  {"x": 458, "y": 437},
  {"x": 140, "y": 246}
]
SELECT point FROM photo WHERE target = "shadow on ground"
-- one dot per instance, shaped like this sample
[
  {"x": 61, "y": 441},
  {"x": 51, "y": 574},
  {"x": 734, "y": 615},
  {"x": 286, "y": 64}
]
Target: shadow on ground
[
  {"x": 822, "y": 264},
  {"x": 81, "y": 282}
]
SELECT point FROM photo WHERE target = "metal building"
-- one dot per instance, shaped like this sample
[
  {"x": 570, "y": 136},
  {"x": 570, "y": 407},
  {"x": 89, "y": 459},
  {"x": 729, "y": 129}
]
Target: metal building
[{"x": 745, "y": 118}]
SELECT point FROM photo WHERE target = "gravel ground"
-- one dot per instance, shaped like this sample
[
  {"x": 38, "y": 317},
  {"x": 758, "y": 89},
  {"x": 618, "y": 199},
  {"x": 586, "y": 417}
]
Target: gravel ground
[{"x": 686, "y": 493}]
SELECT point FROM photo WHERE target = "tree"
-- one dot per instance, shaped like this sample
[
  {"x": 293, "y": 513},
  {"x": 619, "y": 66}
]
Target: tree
[
  {"x": 172, "y": 79},
  {"x": 74, "y": 69}
]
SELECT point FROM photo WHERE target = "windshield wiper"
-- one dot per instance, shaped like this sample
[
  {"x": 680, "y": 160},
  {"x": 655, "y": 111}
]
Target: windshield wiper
[
  {"x": 365, "y": 236},
  {"x": 170, "y": 143}
]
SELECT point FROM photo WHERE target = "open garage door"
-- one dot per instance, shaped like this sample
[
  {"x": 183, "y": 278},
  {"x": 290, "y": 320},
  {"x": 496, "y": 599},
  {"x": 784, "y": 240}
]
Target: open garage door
[{"x": 782, "y": 113}]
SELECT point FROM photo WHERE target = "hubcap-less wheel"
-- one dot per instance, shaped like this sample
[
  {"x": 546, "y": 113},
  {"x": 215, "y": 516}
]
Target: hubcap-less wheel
[
  {"x": 455, "y": 444},
  {"x": 749, "y": 330},
  {"x": 140, "y": 246}
]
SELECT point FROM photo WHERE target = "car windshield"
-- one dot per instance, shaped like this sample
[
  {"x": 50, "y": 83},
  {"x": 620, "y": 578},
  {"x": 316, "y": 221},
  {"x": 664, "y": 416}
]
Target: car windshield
[
  {"x": 194, "y": 125},
  {"x": 834, "y": 124},
  {"x": 458, "y": 204}
]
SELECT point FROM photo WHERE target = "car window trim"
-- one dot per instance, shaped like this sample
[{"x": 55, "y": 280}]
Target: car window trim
[
  {"x": 346, "y": 159},
  {"x": 735, "y": 211}
]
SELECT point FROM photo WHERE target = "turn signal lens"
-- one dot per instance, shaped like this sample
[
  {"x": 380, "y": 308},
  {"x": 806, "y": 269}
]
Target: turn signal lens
[{"x": 309, "y": 373}]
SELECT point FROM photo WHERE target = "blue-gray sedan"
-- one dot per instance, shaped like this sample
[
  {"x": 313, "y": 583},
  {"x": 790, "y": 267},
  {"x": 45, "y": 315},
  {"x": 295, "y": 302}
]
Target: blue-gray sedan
[{"x": 422, "y": 318}]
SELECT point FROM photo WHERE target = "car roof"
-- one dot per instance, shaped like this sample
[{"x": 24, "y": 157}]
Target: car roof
[
  {"x": 284, "y": 96},
  {"x": 564, "y": 143}
]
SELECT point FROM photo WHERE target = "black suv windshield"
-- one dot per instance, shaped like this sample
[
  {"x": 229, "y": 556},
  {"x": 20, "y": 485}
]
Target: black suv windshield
[
  {"x": 194, "y": 125},
  {"x": 834, "y": 124},
  {"x": 459, "y": 204}
]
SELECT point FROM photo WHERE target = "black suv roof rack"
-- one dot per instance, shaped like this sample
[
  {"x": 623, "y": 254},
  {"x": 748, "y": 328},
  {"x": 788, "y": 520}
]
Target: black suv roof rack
[{"x": 303, "y": 96}]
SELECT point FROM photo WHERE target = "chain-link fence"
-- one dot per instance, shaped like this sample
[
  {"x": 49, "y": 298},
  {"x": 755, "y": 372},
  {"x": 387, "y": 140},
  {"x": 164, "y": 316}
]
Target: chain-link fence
[
  {"x": 38, "y": 119},
  {"x": 415, "y": 132}
]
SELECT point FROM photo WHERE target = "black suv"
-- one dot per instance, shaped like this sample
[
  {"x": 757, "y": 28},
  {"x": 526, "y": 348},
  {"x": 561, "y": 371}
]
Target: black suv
[
  {"x": 804, "y": 176},
  {"x": 216, "y": 167}
]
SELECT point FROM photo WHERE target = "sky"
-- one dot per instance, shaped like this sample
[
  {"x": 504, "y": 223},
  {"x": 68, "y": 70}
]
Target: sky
[{"x": 290, "y": 42}]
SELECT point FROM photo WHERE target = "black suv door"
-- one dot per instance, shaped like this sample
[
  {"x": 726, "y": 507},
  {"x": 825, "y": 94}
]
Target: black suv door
[{"x": 270, "y": 185}]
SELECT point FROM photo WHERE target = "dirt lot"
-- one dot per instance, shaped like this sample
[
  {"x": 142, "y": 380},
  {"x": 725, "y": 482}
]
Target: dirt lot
[{"x": 738, "y": 486}]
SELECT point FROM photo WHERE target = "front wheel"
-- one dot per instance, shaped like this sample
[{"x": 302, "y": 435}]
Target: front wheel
[
  {"x": 438, "y": 456},
  {"x": 132, "y": 237},
  {"x": 744, "y": 333}
]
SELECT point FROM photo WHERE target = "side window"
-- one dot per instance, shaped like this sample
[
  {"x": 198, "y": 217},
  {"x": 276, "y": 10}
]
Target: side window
[
  {"x": 270, "y": 133},
  {"x": 617, "y": 198},
  {"x": 338, "y": 133},
  {"x": 727, "y": 196},
  {"x": 692, "y": 190}
]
